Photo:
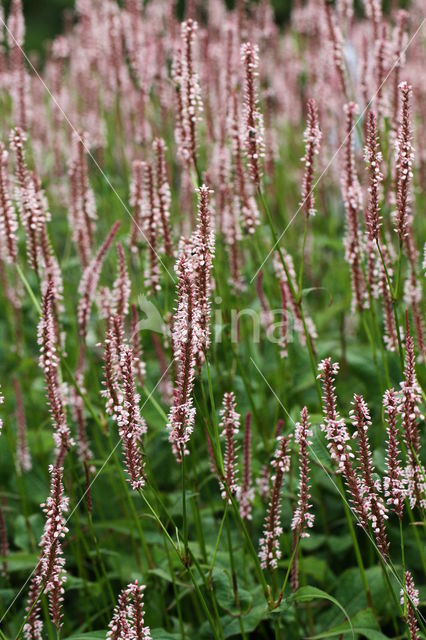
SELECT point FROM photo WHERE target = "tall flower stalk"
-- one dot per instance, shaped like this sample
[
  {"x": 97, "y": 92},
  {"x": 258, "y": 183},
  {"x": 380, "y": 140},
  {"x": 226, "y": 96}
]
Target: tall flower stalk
[
  {"x": 186, "y": 343},
  {"x": 230, "y": 424},
  {"x": 269, "y": 544}
]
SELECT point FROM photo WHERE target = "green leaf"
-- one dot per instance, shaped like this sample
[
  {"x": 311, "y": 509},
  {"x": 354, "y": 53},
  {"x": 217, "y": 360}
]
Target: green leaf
[
  {"x": 20, "y": 560},
  {"x": 306, "y": 594},
  {"x": 161, "y": 634},
  {"x": 364, "y": 623}
]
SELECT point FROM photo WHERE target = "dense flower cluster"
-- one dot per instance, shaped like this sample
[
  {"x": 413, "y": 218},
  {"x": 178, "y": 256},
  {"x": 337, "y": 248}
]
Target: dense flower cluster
[
  {"x": 269, "y": 544},
  {"x": 128, "y": 621},
  {"x": 312, "y": 137},
  {"x": 49, "y": 574},
  {"x": 230, "y": 424},
  {"x": 303, "y": 519},
  {"x": 253, "y": 119},
  {"x": 186, "y": 344}
]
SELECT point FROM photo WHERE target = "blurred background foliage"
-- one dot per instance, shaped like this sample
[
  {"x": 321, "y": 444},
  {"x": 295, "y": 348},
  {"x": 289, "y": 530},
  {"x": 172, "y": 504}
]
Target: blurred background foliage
[{"x": 45, "y": 18}]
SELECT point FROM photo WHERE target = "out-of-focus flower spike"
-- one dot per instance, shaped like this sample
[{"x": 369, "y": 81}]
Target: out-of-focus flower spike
[
  {"x": 188, "y": 94},
  {"x": 49, "y": 362},
  {"x": 230, "y": 424},
  {"x": 8, "y": 219},
  {"x": 373, "y": 9},
  {"x": 82, "y": 208},
  {"x": 20, "y": 80},
  {"x": 253, "y": 131},
  {"x": 399, "y": 59},
  {"x": 303, "y": 519},
  {"x": 136, "y": 202},
  {"x": 163, "y": 193},
  {"x": 26, "y": 197},
  {"x": 312, "y": 137},
  {"x": 121, "y": 289},
  {"x": 409, "y": 410},
  {"x": 248, "y": 211},
  {"x": 336, "y": 42},
  {"x": 269, "y": 544},
  {"x": 150, "y": 228},
  {"x": 23, "y": 457},
  {"x": 89, "y": 281},
  {"x": 140, "y": 366},
  {"x": 246, "y": 493},
  {"x": 404, "y": 162}
]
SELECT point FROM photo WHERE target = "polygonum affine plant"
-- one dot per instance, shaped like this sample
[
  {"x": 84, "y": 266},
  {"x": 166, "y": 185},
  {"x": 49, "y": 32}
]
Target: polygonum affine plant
[{"x": 212, "y": 352}]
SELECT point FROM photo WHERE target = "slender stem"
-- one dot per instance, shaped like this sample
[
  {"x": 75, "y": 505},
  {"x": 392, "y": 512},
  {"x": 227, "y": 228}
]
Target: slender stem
[
  {"x": 234, "y": 578},
  {"x": 401, "y": 536},
  {"x": 184, "y": 513},
  {"x": 394, "y": 305},
  {"x": 302, "y": 259},
  {"x": 356, "y": 546},
  {"x": 296, "y": 297}
]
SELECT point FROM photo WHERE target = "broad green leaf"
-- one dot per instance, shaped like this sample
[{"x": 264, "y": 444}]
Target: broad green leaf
[
  {"x": 364, "y": 623},
  {"x": 306, "y": 594}
]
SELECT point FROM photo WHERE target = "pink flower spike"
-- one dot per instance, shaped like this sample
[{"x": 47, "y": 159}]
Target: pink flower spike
[
  {"x": 269, "y": 545},
  {"x": 253, "y": 119},
  {"x": 302, "y": 518},
  {"x": 312, "y": 137},
  {"x": 230, "y": 425}
]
